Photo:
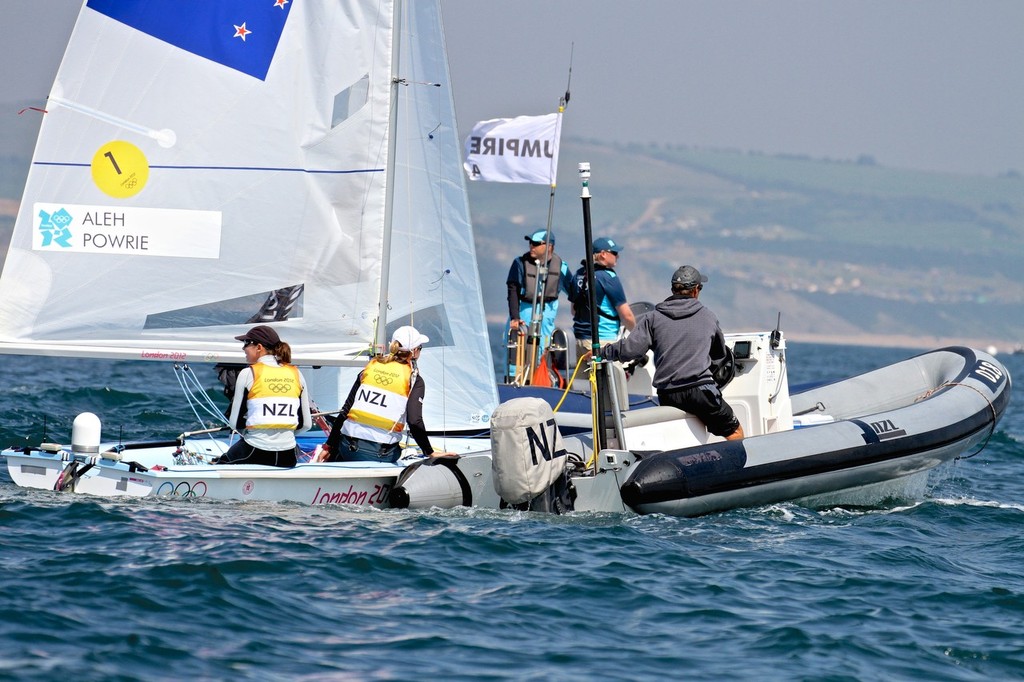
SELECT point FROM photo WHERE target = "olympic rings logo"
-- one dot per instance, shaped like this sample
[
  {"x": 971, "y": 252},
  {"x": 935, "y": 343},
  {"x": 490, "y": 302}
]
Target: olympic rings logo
[
  {"x": 183, "y": 489},
  {"x": 279, "y": 388},
  {"x": 383, "y": 379}
]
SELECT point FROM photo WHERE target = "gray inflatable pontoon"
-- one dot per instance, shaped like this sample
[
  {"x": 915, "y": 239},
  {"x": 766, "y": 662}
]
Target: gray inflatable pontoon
[{"x": 885, "y": 425}]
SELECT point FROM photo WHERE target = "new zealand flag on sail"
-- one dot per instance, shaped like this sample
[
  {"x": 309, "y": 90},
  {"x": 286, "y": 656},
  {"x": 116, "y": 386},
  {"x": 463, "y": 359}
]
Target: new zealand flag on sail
[{"x": 241, "y": 34}]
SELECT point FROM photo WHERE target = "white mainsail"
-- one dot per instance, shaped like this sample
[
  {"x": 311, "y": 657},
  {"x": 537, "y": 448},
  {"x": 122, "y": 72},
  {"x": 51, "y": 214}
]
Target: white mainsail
[{"x": 206, "y": 167}]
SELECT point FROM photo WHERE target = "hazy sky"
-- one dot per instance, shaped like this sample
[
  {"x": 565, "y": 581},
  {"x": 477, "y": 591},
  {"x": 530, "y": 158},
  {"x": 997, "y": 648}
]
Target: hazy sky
[{"x": 925, "y": 84}]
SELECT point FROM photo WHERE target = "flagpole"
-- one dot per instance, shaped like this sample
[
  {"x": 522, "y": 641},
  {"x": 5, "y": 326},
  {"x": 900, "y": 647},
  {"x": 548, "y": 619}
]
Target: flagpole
[
  {"x": 533, "y": 344},
  {"x": 504, "y": 150}
]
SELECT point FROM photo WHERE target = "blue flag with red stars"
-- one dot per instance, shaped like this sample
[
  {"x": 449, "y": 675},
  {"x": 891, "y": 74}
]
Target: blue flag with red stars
[{"x": 240, "y": 34}]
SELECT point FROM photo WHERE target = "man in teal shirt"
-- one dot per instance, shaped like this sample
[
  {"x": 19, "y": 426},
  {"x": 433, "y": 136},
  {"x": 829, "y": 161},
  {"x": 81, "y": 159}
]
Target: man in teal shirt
[{"x": 613, "y": 311}]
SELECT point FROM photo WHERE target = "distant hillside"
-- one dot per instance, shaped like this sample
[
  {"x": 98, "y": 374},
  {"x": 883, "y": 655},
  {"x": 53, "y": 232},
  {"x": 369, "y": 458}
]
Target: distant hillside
[{"x": 845, "y": 251}]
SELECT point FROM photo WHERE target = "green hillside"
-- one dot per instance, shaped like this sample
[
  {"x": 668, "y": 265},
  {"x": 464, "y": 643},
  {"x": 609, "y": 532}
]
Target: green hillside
[{"x": 844, "y": 250}]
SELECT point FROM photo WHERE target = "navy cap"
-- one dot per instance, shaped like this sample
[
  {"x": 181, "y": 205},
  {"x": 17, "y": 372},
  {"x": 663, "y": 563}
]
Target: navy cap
[
  {"x": 688, "y": 277},
  {"x": 606, "y": 244},
  {"x": 540, "y": 236}
]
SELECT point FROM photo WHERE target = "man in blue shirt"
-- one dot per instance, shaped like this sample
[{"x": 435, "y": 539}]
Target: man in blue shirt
[{"x": 613, "y": 311}]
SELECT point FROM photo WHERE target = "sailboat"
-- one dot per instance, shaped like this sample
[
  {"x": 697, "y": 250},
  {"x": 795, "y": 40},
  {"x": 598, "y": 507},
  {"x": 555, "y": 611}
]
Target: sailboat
[{"x": 201, "y": 169}]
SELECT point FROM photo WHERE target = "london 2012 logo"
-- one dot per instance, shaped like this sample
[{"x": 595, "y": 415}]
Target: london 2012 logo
[{"x": 56, "y": 228}]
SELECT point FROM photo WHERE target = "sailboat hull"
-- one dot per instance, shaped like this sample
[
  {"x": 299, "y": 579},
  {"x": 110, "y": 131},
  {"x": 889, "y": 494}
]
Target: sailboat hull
[
  {"x": 153, "y": 472},
  {"x": 356, "y": 483}
]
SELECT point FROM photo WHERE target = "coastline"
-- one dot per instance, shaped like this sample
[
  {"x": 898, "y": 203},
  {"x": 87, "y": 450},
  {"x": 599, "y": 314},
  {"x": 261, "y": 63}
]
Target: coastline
[
  {"x": 902, "y": 341},
  {"x": 908, "y": 341}
]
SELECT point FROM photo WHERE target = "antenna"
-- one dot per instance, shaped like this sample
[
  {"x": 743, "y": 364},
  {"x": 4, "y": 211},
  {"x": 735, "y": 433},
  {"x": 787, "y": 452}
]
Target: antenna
[{"x": 565, "y": 99}]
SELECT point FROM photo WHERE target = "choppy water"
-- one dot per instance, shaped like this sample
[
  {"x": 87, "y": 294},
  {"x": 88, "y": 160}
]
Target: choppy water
[{"x": 97, "y": 589}]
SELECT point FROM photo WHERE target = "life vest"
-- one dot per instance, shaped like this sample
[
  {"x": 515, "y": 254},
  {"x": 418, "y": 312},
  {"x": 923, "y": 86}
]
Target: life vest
[
  {"x": 273, "y": 401},
  {"x": 378, "y": 411},
  {"x": 531, "y": 269}
]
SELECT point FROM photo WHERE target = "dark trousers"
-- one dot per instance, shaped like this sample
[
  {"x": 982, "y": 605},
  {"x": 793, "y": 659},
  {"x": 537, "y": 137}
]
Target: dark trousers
[
  {"x": 243, "y": 453},
  {"x": 706, "y": 403},
  {"x": 359, "y": 450}
]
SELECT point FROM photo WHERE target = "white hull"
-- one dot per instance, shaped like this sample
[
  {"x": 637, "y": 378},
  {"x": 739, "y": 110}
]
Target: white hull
[{"x": 365, "y": 484}]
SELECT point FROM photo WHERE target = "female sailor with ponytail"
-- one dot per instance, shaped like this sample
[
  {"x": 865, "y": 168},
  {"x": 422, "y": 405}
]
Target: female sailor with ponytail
[
  {"x": 276, "y": 403},
  {"x": 386, "y": 398}
]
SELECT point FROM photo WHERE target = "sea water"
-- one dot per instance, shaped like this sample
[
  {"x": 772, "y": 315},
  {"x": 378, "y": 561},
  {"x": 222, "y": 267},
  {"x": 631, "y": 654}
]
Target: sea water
[{"x": 928, "y": 588}]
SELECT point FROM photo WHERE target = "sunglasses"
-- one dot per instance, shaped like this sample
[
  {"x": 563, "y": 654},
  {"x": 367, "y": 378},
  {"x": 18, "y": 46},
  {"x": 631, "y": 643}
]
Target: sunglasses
[
  {"x": 246, "y": 344},
  {"x": 536, "y": 243}
]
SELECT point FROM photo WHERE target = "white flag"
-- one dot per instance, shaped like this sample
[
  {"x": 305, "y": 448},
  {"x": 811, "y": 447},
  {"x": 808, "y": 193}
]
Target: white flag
[{"x": 521, "y": 149}]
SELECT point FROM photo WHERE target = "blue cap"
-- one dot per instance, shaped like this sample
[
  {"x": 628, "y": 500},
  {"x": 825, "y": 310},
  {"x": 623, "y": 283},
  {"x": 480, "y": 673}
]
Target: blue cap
[
  {"x": 540, "y": 236},
  {"x": 606, "y": 244}
]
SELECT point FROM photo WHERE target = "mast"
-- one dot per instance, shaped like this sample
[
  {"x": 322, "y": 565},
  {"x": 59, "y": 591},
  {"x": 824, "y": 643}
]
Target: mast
[{"x": 380, "y": 333}]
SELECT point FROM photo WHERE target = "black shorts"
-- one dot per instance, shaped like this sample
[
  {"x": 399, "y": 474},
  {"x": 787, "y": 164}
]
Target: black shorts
[{"x": 704, "y": 402}]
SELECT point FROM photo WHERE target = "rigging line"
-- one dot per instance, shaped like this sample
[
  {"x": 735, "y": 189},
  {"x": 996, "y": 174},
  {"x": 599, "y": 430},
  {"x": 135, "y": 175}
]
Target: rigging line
[
  {"x": 992, "y": 409},
  {"x": 193, "y": 401},
  {"x": 199, "y": 390},
  {"x": 188, "y": 399}
]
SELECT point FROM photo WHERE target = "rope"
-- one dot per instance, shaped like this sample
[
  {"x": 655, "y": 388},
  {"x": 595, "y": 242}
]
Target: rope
[
  {"x": 568, "y": 384},
  {"x": 185, "y": 376},
  {"x": 596, "y": 419},
  {"x": 991, "y": 407}
]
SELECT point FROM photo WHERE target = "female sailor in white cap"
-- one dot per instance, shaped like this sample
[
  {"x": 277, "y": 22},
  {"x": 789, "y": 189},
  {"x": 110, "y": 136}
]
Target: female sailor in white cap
[{"x": 385, "y": 399}]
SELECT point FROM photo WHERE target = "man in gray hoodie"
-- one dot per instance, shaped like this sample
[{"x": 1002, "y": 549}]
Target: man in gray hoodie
[{"x": 688, "y": 344}]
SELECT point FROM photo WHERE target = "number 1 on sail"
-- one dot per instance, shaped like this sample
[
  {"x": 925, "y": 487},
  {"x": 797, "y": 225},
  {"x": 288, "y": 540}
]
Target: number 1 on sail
[
  {"x": 120, "y": 169},
  {"x": 113, "y": 162}
]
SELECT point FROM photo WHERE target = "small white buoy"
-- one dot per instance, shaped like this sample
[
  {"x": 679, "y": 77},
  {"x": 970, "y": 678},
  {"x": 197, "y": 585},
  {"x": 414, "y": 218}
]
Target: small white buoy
[
  {"x": 992, "y": 350},
  {"x": 85, "y": 434}
]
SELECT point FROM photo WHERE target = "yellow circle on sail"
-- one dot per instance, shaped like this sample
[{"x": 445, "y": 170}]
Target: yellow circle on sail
[{"x": 120, "y": 169}]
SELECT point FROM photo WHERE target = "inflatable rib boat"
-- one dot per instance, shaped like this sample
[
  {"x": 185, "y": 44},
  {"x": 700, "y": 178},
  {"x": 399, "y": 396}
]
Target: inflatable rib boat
[
  {"x": 883, "y": 426},
  {"x": 855, "y": 441}
]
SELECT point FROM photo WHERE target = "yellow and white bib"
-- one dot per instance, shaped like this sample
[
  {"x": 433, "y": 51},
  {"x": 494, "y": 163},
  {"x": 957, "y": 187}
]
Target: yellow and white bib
[
  {"x": 273, "y": 401},
  {"x": 380, "y": 402}
]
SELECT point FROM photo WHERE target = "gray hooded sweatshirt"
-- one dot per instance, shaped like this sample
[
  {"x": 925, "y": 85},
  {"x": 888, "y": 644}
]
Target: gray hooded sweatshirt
[{"x": 686, "y": 339}]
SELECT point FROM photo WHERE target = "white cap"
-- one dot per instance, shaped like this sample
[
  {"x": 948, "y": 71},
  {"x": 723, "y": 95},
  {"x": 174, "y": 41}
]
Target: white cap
[{"x": 408, "y": 338}]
